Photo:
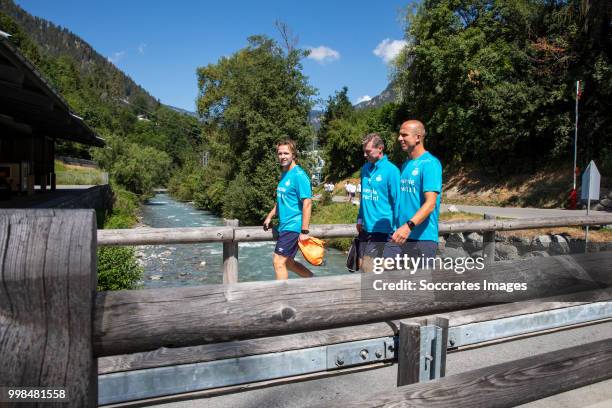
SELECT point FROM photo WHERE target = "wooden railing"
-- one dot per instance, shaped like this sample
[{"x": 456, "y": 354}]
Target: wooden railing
[
  {"x": 230, "y": 234},
  {"x": 55, "y": 329}
]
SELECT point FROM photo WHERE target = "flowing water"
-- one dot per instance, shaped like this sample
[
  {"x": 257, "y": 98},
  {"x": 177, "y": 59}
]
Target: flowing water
[{"x": 197, "y": 264}]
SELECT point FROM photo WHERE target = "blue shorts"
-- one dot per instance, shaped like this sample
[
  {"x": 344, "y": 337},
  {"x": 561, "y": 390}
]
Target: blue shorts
[
  {"x": 287, "y": 244},
  {"x": 377, "y": 244}
]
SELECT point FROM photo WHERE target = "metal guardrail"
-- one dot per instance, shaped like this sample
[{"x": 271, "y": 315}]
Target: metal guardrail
[{"x": 145, "y": 384}]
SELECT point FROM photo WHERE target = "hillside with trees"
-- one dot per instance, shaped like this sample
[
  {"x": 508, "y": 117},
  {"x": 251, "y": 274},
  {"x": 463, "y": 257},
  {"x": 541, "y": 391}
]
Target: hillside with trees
[
  {"x": 56, "y": 41},
  {"x": 146, "y": 141}
]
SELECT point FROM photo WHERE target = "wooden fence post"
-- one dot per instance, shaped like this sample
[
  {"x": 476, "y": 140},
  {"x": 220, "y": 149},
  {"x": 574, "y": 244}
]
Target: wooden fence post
[
  {"x": 408, "y": 353},
  {"x": 488, "y": 243},
  {"x": 230, "y": 256},
  {"x": 47, "y": 289},
  {"x": 422, "y": 342}
]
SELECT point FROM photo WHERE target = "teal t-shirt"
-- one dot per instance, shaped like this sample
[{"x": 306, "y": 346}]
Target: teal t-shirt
[
  {"x": 293, "y": 187},
  {"x": 419, "y": 176},
  {"x": 379, "y": 196}
]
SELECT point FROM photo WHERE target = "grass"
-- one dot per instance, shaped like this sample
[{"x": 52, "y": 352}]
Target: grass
[
  {"x": 336, "y": 213},
  {"x": 459, "y": 216},
  {"x": 77, "y": 175}
]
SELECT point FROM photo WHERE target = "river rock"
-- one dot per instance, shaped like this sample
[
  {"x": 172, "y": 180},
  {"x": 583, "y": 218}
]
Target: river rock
[
  {"x": 473, "y": 241},
  {"x": 559, "y": 245},
  {"x": 576, "y": 245},
  {"x": 541, "y": 243},
  {"x": 441, "y": 243},
  {"x": 534, "y": 254},
  {"x": 165, "y": 254},
  {"x": 505, "y": 252},
  {"x": 139, "y": 254},
  {"x": 452, "y": 209},
  {"x": 455, "y": 240},
  {"x": 606, "y": 202},
  {"x": 450, "y": 252},
  {"x": 156, "y": 277},
  {"x": 519, "y": 242},
  {"x": 202, "y": 265}
]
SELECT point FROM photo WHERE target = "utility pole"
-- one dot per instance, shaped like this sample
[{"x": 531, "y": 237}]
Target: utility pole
[{"x": 573, "y": 194}]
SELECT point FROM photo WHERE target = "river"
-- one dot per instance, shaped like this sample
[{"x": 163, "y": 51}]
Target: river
[{"x": 197, "y": 264}]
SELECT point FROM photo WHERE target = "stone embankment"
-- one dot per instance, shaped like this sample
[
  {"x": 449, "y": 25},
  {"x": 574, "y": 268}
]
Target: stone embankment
[
  {"x": 604, "y": 204},
  {"x": 510, "y": 247}
]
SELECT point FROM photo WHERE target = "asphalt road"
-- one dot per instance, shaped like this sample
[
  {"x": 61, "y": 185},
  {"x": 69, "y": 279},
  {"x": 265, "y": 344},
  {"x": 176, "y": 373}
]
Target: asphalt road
[
  {"x": 360, "y": 385},
  {"x": 508, "y": 212}
]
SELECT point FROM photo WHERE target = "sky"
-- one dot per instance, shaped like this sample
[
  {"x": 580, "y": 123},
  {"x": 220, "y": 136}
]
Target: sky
[{"x": 160, "y": 44}]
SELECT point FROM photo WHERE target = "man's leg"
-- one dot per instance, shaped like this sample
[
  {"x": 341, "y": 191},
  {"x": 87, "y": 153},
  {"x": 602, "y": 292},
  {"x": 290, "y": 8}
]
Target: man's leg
[
  {"x": 298, "y": 268},
  {"x": 282, "y": 263},
  {"x": 280, "y": 267},
  {"x": 285, "y": 250}
]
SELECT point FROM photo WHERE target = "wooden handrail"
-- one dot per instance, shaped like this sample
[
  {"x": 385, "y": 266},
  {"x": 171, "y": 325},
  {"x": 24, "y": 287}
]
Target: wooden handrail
[
  {"x": 279, "y": 344},
  {"x": 151, "y": 236},
  {"x": 135, "y": 321}
]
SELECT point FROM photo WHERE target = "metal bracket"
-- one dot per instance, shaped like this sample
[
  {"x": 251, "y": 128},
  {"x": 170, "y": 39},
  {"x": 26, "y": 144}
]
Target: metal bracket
[
  {"x": 430, "y": 353},
  {"x": 360, "y": 352}
]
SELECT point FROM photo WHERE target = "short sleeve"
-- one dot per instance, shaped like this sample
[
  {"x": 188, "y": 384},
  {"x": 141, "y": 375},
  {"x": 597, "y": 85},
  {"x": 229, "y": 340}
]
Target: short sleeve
[
  {"x": 432, "y": 176},
  {"x": 303, "y": 186}
]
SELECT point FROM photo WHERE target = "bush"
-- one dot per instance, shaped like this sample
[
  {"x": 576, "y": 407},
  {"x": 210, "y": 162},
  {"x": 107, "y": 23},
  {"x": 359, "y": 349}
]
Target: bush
[
  {"x": 118, "y": 269},
  {"x": 117, "y": 266}
]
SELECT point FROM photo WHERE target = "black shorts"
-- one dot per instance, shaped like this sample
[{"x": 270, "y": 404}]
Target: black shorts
[
  {"x": 418, "y": 249},
  {"x": 377, "y": 244},
  {"x": 287, "y": 244}
]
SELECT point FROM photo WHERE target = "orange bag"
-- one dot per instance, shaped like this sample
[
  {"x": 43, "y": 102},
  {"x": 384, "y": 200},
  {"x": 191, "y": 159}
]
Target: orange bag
[{"x": 313, "y": 250}]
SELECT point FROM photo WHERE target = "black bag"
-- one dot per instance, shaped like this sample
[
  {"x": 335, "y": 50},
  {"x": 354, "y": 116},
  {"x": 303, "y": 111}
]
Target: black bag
[{"x": 352, "y": 259}]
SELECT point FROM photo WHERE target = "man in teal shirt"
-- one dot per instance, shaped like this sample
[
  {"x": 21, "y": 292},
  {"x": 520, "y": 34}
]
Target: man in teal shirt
[
  {"x": 419, "y": 197},
  {"x": 293, "y": 207},
  {"x": 379, "y": 204}
]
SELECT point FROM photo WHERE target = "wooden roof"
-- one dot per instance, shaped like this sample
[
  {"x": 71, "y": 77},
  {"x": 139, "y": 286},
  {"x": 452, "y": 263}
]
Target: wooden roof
[{"x": 28, "y": 103}]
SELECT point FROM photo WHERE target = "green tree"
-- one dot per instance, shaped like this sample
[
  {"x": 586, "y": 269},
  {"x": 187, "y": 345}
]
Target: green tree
[
  {"x": 493, "y": 79},
  {"x": 338, "y": 107},
  {"x": 250, "y": 100}
]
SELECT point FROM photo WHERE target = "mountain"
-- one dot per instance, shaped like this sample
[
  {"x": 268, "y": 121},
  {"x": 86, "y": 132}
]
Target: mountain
[
  {"x": 57, "y": 41},
  {"x": 181, "y": 110},
  {"x": 389, "y": 94}
]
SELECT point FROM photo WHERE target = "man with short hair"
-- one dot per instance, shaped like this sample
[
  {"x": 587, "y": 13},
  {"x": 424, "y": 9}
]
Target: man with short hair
[
  {"x": 379, "y": 203},
  {"x": 293, "y": 206},
  {"x": 419, "y": 196}
]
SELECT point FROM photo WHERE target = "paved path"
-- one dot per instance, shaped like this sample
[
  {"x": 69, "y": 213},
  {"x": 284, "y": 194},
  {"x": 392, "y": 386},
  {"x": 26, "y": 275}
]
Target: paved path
[
  {"x": 354, "y": 386},
  {"x": 508, "y": 212},
  {"x": 514, "y": 212}
]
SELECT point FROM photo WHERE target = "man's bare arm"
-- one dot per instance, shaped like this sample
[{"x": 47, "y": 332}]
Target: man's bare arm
[
  {"x": 401, "y": 234},
  {"x": 306, "y": 211}
]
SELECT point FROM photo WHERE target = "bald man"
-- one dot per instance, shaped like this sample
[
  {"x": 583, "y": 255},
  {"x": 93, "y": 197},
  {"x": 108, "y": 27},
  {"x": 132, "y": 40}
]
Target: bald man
[{"x": 419, "y": 196}]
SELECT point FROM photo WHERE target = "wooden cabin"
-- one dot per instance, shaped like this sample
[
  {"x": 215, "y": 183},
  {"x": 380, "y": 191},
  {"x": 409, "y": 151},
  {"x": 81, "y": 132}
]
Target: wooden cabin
[{"x": 32, "y": 117}]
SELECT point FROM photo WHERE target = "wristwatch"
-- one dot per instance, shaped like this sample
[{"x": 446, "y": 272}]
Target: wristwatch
[
  {"x": 305, "y": 232},
  {"x": 410, "y": 224}
]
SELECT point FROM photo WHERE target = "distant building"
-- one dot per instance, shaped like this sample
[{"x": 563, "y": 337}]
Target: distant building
[{"x": 32, "y": 117}]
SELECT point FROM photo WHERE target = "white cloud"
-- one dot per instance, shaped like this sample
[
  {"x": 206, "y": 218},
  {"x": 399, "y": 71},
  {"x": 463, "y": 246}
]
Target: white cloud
[
  {"x": 388, "y": 49},
  {"x": 141, "y": 49},
  {"x": 323, "y": 54},
  {"x": 364, "y": 98},
  {"x": 117, "y": 57}
]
